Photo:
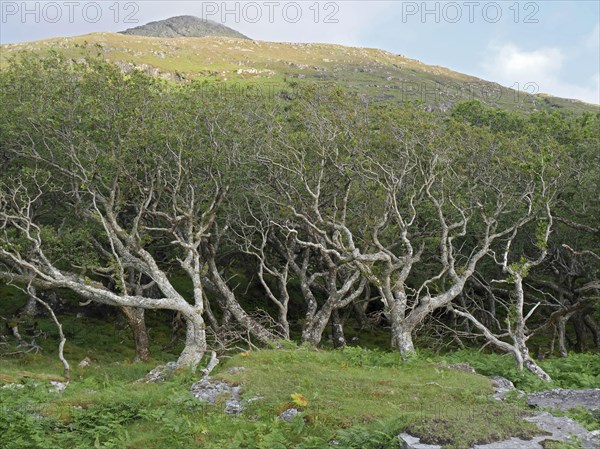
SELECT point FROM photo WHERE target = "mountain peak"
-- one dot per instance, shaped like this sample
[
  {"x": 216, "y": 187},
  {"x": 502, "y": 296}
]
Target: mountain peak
[{"x": 184, "y": 26}]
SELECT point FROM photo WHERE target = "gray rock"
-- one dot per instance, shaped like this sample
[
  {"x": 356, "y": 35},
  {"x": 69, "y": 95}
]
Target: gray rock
[
  {"x": 183, "y": 26},
  {"x": 58, "y": 387},
  {"x": 503, "y": 383},
  {"x": 554, "y": 428},
  {"x": 502, "y": 387},
  {"x": 208, "y": 390},
  {"x": 462, "y": 367},
  {"x": 160, "y": 373},
  {"x": 288, "y": 415},
  {"x": 85, "y": 363},
  {"x": 236, "y": 369},
  {"x": 566, "y": 399},
  {"x": 563, "y": 429},
  {"x": 233, "y": 407},
  {"x": 409, "y": 442},
  {"x": 12, "y": 386}
]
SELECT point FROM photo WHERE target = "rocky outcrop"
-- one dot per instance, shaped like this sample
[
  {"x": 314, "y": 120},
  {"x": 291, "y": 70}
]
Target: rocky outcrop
[
  {"x": 209, "y": 390},
  {"x": 566, "y": 399},
  {"x": 561, "y": 428},
  {"x": 184, "y": 26},
  {"x": 502, "y": 387},
  {"x": 552, "y": 428}
]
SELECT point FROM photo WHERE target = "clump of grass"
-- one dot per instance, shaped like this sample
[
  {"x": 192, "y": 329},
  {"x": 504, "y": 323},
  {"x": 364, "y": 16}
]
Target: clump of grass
[{"x": 590, "y": 419}]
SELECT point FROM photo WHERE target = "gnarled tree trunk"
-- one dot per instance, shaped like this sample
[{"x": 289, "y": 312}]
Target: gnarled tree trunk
[
  {"x": 195, "y": 338},
  {"x": 337, "y": 330},
  {"x": 561, "y": 331},
  {"x": 312, "y": 331},
  {"x": 137, "y": 324}
]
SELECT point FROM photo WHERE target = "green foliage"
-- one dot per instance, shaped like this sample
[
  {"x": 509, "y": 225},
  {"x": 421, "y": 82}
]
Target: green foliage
[
  {"x": 590, "y": 419},
  {"x": 360, "y": 357},
  {"x": 540, "y": 235},
  {"x": 381, "y": 435},
  {"x": 575, "y": 371}
]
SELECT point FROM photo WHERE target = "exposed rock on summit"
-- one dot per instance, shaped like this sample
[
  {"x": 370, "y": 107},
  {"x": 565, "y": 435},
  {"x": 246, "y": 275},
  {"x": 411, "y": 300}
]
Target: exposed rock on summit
[{"x": 184, "y": 26}]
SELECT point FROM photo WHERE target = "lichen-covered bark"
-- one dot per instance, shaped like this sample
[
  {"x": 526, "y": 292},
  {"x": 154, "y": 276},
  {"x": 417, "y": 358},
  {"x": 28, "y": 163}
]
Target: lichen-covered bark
[{"x": 137, "y": 324}]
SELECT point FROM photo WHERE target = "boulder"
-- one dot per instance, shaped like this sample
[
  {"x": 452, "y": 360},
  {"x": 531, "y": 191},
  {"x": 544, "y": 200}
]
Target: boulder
[
  {"x": 209, "y": 390},
  {"x": 502, "y": 387}
]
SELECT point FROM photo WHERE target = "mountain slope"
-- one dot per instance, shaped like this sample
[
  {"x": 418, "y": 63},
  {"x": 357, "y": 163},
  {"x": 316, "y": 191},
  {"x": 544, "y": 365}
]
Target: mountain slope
[
  {"x": 247, "y": 67},
  {"x": 183, "y": 26}
]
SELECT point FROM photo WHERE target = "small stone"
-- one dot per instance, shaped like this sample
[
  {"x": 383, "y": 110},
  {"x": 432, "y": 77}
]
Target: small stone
[
  {"x": 462, "y": 367},
  {"x": 160, "y": 373},
  {"x": 233, "y": 407},
  {"x": 85, "y": 363},
  {"x": 12, "y": 386},
  {"x": 288, "y": 415},
  {"x": 409, "y": 442},
  {"x": 58, "y": 387},
  {"x": 236, "y": 369},
  {"x": 255, "y": 398}
]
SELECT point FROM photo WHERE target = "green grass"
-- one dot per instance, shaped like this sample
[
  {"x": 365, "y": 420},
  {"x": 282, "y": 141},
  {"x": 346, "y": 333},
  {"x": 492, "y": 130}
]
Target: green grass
[
  {"x": 552, "y": 444},
  {"x": 356, "y": 386},
  {"x": 354, "y": 396},
  {"x": 590, "y": 419},
  {"x": 360, "y": 398}
]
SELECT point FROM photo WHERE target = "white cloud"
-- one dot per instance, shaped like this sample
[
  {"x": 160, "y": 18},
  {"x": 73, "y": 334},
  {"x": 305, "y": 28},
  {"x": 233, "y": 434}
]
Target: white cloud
[
  {"x": 509, "y": 63},
  {"x": 511, "y": 66}
]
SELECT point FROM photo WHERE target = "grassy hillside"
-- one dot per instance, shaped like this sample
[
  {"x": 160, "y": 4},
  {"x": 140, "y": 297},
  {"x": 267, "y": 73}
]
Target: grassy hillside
[
  {"x": 354, "y": 397},
  {"x": 246, "y": 67}
]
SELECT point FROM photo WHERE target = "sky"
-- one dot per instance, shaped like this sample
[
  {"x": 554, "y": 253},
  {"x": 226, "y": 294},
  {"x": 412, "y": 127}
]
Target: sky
[{"x": 550, "y": 46}]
